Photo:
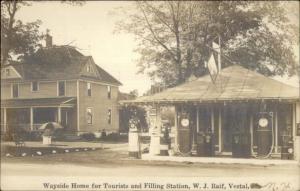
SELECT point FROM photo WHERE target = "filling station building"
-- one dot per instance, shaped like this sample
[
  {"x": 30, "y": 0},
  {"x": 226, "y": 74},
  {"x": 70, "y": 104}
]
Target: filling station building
[{"x": 242, "y": 114}]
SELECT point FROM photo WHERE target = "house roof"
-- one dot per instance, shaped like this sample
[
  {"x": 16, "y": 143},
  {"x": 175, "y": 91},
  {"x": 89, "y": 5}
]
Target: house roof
[
  {"x": 59, "y": 62},
  {"x": 57, "y": 101},
  {"x": 234, "y": 83}
]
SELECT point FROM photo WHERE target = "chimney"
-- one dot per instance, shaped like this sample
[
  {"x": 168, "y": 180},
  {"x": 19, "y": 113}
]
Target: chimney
[{"x": 48, "y": 39}]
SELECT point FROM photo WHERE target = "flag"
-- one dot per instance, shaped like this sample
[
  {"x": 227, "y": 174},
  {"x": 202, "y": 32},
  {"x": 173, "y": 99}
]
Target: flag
[
  {"x": 216, "y": 47},
  {"x": 212, "y": 68}
]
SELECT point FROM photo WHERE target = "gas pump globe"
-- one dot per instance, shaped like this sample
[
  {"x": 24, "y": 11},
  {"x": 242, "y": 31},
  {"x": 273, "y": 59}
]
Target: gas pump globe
[
  {"x": 263, "y": 122},
  {"x": 185, "y": 122},
  {"x": 134, "y": 124}
]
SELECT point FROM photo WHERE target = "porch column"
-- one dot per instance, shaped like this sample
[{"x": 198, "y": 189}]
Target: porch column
[
  {"x": 158, "y": 119},
  {"x": 176, "y": 126},
  {"x": 251, "y": 132},
  {"x": 276, "y": 131},
  {"x": 296, "y": 121},
  {"x": 220, "y": 129},
  {"x": 31, "y": 118},
  {"x": 59, "y": 115},
  {"x": 197, "y": 119},
  {"x": 212, "y": 120},
  {"x": 4, "y": 120}
]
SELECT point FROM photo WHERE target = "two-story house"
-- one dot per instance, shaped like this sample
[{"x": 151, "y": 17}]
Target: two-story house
[{"x": 58, "y": 83}]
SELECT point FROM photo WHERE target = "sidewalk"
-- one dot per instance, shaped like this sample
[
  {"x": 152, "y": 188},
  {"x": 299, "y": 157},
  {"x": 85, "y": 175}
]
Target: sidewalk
[{"x": 216, "y": 160}]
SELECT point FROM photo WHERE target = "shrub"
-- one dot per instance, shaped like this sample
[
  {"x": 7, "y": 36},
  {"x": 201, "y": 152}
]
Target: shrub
[
  {"x": 88, "y": 136},
  {"x": 33, "y": 136},
  {"x": 7, "y": 136},
  {"x": 103, "y": 133},
  {"x": 115, "y": 137},
  {"x": 59, "y": 134},
  {"x": 48, "y": 132}
]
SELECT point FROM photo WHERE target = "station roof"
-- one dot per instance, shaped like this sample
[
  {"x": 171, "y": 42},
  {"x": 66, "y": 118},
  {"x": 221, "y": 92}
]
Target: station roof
[{"x": 234, "y": 83}]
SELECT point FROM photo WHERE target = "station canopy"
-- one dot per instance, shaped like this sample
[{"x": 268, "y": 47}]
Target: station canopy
[{"x": 234, "y": 83}]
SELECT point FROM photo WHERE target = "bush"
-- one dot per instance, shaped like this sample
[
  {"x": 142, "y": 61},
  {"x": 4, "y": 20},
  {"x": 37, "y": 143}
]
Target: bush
[
  {"x": 115, "y": 137},
  {"x": 88, "y": 136},
  {"x": 33, "y": 136},
  {"x": 7, "y": 136},
  {"x": 16, "y": 133},
  {"x": 59, "y": 135},
  {"x": 48, "y": 132}
]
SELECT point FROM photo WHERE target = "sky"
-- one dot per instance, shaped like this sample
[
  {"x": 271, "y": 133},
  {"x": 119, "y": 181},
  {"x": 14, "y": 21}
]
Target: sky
[{"x": 90, "y": 27}]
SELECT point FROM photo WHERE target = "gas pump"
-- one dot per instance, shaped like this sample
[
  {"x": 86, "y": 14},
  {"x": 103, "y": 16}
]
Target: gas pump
[
  {"x": 133, "y": 138},
  {"x": 265, "y": 134},
  {"x": 184, "y": 136}
]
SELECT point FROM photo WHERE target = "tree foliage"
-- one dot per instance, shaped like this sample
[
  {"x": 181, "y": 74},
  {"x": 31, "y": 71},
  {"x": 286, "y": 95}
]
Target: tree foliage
[
  {"x": 17, "y": 38},
  {"x": 174, "y": 37}
]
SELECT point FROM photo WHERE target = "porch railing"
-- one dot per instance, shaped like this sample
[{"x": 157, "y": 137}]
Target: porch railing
[{"x": 25, "y": 126}]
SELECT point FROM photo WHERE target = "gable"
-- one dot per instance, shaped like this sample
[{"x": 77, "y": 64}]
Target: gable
[
  {"x": 10, "y": 72},
  {"x": 89, "y": 69}
]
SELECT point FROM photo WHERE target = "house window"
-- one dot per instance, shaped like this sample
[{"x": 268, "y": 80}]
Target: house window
[
  {"x": 109, "y": 116},
  {"x": 89, "y": 116},
  {"x": 7, "y": 72},
  {"x": 88, "y": 68},
  {"x": 89, "y": 89},
  {"x": 61, "y": 88},
  {"x": 15, "y": 90},
  {"x": 108, "y": 92},
  {"x": 34, "y": 86}
]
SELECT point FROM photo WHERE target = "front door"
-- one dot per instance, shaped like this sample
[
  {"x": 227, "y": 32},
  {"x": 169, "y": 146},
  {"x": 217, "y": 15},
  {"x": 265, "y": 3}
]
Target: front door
[
  {"x": 227, "y": 129},
  {"x": 235, "y": 121}
]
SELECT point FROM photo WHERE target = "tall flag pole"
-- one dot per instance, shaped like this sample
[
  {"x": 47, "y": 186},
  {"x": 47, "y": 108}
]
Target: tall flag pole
[{"x": 217, "y": 47}]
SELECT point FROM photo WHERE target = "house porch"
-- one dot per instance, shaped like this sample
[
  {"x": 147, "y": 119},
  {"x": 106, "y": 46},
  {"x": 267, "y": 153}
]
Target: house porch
[{"x": 29, "y": 114}]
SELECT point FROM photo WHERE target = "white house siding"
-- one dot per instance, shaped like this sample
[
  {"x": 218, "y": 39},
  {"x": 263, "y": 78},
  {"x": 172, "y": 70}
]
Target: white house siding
[
  {"x": 46, "y": 89},
  {"x": 100, "y": 104}
]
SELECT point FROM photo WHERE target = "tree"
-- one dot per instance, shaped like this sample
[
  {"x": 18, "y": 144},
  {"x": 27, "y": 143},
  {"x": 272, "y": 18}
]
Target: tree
[
  {"x": 20, "y": 39},
  {"x": 17, "y": 38},
  {"x": 174, "y": 37}
]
